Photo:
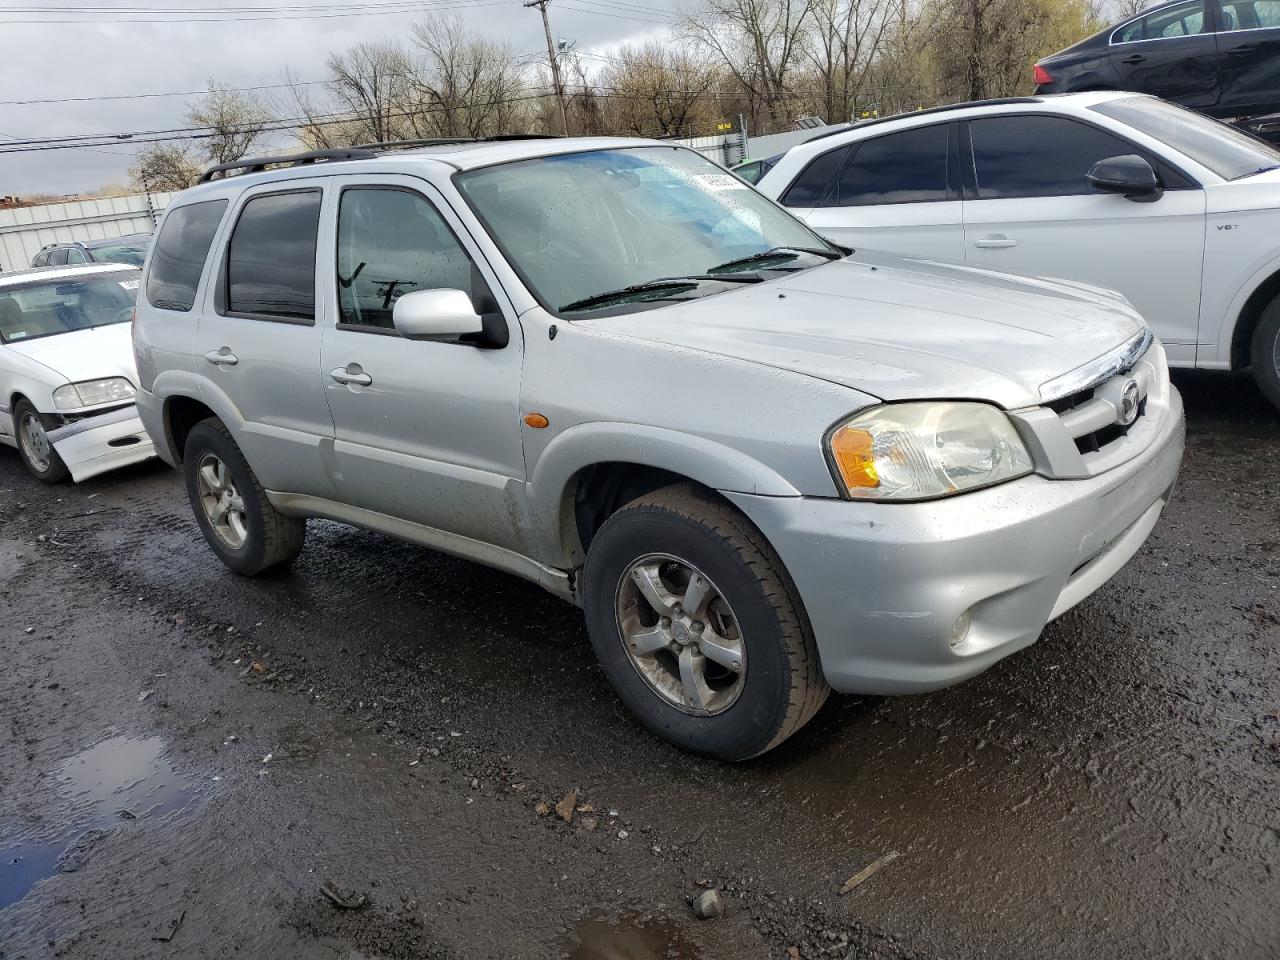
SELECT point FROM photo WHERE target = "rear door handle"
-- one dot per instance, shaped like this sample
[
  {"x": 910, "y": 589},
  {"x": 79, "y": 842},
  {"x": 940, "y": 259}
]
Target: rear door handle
[
  {"x": 1240, "y": 50},
  {"x": 351, "y": 374},
  {"x": 996, "y": 241},
  {"x": 222, "y": 358},
  {"x": 1134, "y": 60}
]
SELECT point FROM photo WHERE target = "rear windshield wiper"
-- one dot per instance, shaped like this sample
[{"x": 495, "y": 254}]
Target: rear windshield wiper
[
  {"x": 674, "y": 284},
  {"x": 776, "y": 253}
]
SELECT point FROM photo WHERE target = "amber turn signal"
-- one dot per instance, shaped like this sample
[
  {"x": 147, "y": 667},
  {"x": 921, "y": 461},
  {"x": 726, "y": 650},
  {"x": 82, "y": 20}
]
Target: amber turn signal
[
  {"x": 536, "y": 420},
  {"x": 854, "y": 455}
]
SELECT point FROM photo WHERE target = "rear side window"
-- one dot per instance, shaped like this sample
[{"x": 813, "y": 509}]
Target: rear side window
[
  {"x": 40, "y": 260},
  {"x": 76, "y": 255},
  {"x": 271, "y": 260},
  {"x": 1039, "y": 156},
  {"x": 58, "y": 258},
  {"x": 180, "y": 253},
  {"x": 907, "y": 167},
  {"x": 1184, "y": 20},
  {"x": 808, "y": 189}
]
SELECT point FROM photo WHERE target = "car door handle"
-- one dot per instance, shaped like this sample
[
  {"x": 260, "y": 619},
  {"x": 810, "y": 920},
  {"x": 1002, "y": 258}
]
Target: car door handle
[
  {"x": 995, "y": 242},
  {"x": 351, "y": 374},
  {"x": 1134, "y": 60},
  {"x": 222, "y": 358},
  {"x": 1240, "y": 50}
]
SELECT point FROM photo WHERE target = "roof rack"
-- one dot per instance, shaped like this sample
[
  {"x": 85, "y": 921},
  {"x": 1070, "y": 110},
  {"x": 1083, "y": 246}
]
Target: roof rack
[
  {"x": 873, "y": 121},
  {"x": 446, "y": 141},
  {"x": 259, "y": 164}
]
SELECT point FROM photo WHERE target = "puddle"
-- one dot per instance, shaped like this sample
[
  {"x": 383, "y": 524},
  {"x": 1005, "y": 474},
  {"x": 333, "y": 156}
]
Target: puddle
[
  {"x": 629, "y": 937},
  {"x": 109, "y": 785}
]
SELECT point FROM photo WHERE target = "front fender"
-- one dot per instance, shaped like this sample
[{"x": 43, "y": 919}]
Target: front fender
[
  {"x": 1231, "y": 315},
  {"x": 705, "y": 461}
]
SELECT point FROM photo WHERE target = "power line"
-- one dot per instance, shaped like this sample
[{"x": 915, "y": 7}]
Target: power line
[{"x": 179, "y": 17}]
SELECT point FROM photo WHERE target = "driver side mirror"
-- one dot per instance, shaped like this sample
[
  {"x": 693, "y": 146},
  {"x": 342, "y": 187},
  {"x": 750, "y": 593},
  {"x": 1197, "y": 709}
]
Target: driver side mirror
[
  {"x": 1129, "y": 175},
  {"x": 435, "y": 315}
]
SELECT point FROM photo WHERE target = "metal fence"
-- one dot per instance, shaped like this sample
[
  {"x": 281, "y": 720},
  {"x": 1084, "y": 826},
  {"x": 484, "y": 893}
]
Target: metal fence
[
  {"x": 24, "y": 230},
  {"x": 728, "y": 149}
]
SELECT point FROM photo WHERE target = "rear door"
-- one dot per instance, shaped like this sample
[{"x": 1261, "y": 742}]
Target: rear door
[
  {"x": 1249, "y": 56},
  {"x": 898, "y": 192},
  {"x": 425, "y": 431},
  {"x": 1170, "y": 52},
  {"x": 258, "y": 345},
  {"x": 1031, "y": 211}
]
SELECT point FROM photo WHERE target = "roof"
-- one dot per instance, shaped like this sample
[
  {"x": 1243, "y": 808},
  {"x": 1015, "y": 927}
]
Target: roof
[
  {"x": 18, "y": 277},
  {"x": 110, "y": 241},
  {"x": 458, "y": 156}
]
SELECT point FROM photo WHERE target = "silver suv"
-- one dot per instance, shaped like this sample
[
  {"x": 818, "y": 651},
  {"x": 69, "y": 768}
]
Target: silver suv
[{"x": 764, "y": 468}]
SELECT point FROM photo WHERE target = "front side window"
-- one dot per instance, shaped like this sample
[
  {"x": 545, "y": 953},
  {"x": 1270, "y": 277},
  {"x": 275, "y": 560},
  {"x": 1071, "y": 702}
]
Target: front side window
[
  {"x": 75, "y": 256},
  {"x": 1184, "y": 20},
  {"x": 392, "y": 242},
  {"x": 1227, "y": 151},
  {"x": 578, "y": 226},
  {"x": 271, "y": 260},
  {"x": 1034, "y": 156},
  {"x": 906, "y": 167},
  {"x": 1250, "y": 15},
  {"x": 50, "y": 307},
  {"x": 180, "y": 253}
]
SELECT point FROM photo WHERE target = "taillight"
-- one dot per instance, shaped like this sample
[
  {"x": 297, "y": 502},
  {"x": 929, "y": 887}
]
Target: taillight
[{"x": 1042, "y": 76}]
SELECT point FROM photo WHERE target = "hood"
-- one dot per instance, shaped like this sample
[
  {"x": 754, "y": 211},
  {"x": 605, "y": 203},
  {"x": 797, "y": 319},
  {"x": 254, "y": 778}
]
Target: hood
[
  {"x": 903, "y": 329},
  {"x": 91, "y": 354}
]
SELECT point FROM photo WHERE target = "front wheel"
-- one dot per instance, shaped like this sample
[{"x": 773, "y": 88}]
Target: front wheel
[
  {"x": 1265, "y": 352},
  {"x": 698, "y": 626},
  {"x": 34, "y": 446},
  {"x": 247, "y": 533}
]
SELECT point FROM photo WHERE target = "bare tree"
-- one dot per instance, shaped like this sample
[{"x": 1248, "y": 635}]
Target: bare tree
[
  {"x": 371, "y": 92},
  {"x": 463, "y": 85},
  {"x": 844, "y": 40},
  {"x": 164, "y": 167},
  {"x": 658, "y": 89},
  {"x": 236, "y": 119}
]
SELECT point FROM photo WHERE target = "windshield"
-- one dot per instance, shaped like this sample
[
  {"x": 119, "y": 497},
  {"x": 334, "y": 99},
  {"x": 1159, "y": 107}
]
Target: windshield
[
  {"x": 49, "y": 307},
  {"x": 132, "y": 252},
  {"x": 578, "y": 225},
  {"x": 1227, "y": 151}
]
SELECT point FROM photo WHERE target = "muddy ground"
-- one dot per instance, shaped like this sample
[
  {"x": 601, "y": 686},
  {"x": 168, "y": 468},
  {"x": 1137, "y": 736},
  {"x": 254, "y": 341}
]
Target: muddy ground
[{"x": 189, "y": 756}]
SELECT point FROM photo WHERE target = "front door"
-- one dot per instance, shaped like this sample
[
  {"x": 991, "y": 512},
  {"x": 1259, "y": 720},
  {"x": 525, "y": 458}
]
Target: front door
[
  {"x": 1171, "y": 53},
  {"x": 1249, "y": 57},
  {"x": 257, "y": 345},
  {"x": 426, "y": 431},
  {"x": 1033, "y": 212}
]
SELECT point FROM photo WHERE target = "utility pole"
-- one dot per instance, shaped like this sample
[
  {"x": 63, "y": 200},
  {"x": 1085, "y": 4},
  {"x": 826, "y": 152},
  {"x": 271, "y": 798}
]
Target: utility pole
[{"x": 555, "y": 61}]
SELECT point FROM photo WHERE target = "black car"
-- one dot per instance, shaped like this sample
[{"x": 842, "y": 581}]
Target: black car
[
  {"x": 130, "y": 249},
  {"x": 1221, "y": 57}
]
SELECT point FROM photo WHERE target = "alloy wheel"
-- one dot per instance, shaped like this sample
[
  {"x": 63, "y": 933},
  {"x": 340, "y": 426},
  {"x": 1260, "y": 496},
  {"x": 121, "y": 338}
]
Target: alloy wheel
[{"x": 221, "y": 501}]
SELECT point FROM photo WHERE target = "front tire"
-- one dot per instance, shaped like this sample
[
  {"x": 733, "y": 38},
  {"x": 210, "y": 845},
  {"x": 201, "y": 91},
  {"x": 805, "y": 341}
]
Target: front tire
[
  {"x": 1265, "y": 353},
  {"x": 247, "y": 533},
  {"x": 698, "y": 626},
  {"x": 34, "y": 447}
]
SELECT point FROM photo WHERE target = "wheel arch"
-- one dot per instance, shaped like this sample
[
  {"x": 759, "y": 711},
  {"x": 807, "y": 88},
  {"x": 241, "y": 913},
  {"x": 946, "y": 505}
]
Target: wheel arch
[
  {"x": 1248, "y": 317},
  {"x": 181, "y": 413}
]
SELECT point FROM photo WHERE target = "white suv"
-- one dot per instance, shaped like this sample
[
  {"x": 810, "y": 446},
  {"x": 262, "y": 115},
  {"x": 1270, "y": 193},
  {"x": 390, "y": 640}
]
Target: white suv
[
  {"x": 608, "y": 366},
  {"x": 1178, "y": 212}
]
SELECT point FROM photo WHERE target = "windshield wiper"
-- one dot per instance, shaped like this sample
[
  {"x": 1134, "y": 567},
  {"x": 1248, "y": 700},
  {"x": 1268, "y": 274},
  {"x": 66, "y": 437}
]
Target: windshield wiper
[
  {"x": 666, "y": 283},
  {"x": 775, "y": 253}
]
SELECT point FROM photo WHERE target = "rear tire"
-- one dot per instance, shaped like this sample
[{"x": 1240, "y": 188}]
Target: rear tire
[
  {"x": 247, "y": 533},
  {"x": 751, "y": 617},
  {"x": 1265, "y": 353},
  {"x": 37, "y": 453}
]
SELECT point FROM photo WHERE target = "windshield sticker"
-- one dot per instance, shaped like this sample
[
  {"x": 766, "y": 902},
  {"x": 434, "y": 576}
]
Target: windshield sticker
[
  {"x": 129, "y": 284},
  {"x": 720, "y": 181}
]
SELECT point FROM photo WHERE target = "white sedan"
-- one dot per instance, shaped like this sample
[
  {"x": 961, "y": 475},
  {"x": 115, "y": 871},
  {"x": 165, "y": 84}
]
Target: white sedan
[
  {"x": 67, "y": 375},
  {"x": 1179, "y": 213}
]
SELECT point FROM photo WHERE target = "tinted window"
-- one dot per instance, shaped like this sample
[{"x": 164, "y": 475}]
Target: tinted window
[
  {"x": 907, "y": 167},
  {"x": 1251, "y": 15},
  {"x": 1038, "y": 156},
  {"x": 808, "y": 189},
  {"x": 58, "y": 258},
  {"x": 40, "y": 260},
  {"x": 1184, "y": 20},
  {"x": 392, "y": 242},
  {"x": 181, "y": 249},
  {"x": 751, "y": 172},
  {"x": 271, "y": 263},
  {"x": 76, "y": 255}
]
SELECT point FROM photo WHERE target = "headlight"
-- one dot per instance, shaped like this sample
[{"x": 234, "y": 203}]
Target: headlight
[
  {"x": 918, "y": 451},
  {"x": 90, "y": 393}
]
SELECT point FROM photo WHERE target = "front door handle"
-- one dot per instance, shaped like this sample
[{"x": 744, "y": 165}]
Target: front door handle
[
  {"x": 222, "y": 358},
  {"x": 351, "y": 375},
  {"x": 1134, "y": 60},
  {"x": 1240, "y": 50},
  {"x": 997, "y": 241}
]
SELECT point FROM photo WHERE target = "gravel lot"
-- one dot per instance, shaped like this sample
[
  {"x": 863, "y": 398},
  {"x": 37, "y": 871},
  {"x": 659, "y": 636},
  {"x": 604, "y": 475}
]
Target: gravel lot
[{"x": 190, "y": 756}]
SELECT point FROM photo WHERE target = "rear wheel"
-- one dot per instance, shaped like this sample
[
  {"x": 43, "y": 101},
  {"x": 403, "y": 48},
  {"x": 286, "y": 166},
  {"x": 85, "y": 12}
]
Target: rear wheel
[
  {"x": 698, "y": 626},
  {"x": 247, "y": 533},
  {"x": 34, "y": 446},
  {"x": 1265, "y": 352}
]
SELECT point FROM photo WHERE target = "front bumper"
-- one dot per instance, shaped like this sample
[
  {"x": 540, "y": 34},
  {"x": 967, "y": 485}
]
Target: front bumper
[
  {"x": 105, "y": 441},
  {"x": 885, "y": 585}
]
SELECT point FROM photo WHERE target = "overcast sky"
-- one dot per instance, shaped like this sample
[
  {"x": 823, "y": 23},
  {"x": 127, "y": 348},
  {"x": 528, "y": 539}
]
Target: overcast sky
[{"x": 43, "y": 61}]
